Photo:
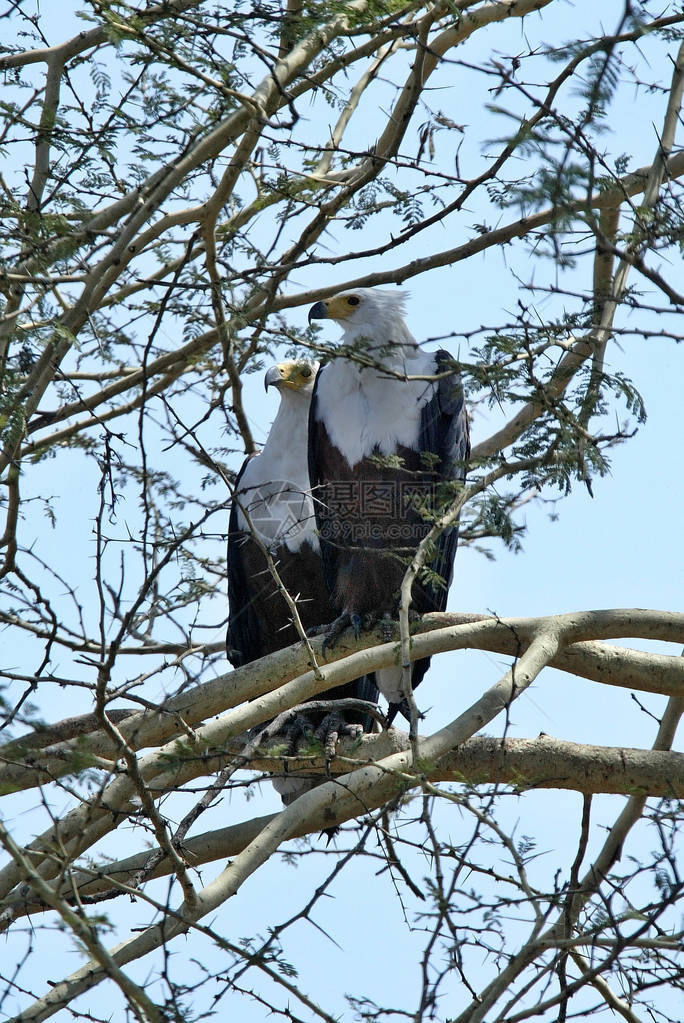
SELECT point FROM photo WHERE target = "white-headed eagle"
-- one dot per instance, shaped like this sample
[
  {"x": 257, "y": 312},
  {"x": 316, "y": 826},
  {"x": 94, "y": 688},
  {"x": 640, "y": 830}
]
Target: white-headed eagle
[
  {"x": 272, "y": 499},
  {"x": 383, "y": 448}
]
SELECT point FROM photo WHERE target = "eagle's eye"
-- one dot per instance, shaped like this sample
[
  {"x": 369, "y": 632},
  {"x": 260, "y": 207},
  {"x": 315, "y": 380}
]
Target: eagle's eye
[
  {"x": 306, "y": 371},
  {"x": 353, "y": 300}
]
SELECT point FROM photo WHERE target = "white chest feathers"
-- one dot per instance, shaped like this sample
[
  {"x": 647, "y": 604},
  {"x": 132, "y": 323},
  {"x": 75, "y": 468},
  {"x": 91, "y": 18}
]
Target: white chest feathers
[
  {"x": 274, "y": 489},
  {"x": 366, "y": 411},
  {"x": 280, "y": 511}
]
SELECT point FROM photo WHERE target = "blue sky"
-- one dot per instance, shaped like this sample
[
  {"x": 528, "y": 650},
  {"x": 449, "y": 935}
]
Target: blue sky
[{"x": 620, "y": 549}]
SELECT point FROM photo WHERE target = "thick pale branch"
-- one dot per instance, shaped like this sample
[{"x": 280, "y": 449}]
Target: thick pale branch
[
  {"x": 86, "y": 824},
  {"x": 92, "y": 221},
  {"x": 541, "y": 763},
  {"x": 95, "y": 37},
  {"x": 606, "y": 663},
  {"x": 659, "y": 673},
  {"x": 366, "y": 787},
  {"x": 472, "y": 20},
  {"x": 357, "y": 792}
]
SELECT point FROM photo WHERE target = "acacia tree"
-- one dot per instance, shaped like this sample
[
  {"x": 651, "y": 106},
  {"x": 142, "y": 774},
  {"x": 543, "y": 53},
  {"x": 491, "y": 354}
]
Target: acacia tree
[{"x": 179, "y": 179}]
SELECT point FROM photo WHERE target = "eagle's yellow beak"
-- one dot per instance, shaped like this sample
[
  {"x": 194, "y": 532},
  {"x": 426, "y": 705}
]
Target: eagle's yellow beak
[{"x": 339, "y": 307}]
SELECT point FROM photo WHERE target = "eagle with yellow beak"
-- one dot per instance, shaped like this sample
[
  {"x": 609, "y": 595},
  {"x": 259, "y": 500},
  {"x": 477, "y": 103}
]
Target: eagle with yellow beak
[{"x": 388, "y": 449}]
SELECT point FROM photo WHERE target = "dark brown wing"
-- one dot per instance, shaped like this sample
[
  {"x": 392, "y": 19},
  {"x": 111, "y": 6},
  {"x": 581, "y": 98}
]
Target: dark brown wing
[
  {"x": 243, "y": 637},
  {"x": 444, "y": 433}
]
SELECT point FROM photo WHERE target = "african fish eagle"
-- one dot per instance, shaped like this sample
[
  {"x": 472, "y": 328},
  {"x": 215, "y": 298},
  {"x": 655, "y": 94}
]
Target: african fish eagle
[
  {"x": 383, "y": 440},
  {"x": 273, "y": 496}
]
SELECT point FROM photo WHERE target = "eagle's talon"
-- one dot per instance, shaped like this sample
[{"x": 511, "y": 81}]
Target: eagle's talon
[
  {"x": 358, "y": 622},
  {"x": 298, "y": 730},
  {"x": 332, "y": 728},
  {"x": 334, "y": 631}
]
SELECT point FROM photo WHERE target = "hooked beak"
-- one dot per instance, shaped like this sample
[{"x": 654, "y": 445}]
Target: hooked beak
[
  {"x": 319, "y": 311},
  {"x": 272, "y": 378}
]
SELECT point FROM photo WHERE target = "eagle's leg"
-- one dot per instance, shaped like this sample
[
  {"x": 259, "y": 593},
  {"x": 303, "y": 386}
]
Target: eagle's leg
[
  {"x": 334, "y": 631},
  {"x": 332, "y": 727},
  {"x": 401, "y": 708},
  {"x": 398, "y": 708}
]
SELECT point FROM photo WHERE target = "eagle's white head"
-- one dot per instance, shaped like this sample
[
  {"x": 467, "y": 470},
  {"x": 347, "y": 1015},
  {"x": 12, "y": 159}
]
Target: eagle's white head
[
  {"x": 374, "y": 313},
  {"x": 295, "y": 375}
]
